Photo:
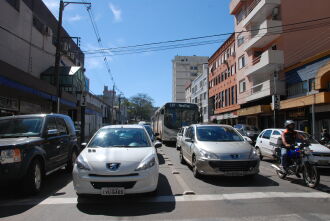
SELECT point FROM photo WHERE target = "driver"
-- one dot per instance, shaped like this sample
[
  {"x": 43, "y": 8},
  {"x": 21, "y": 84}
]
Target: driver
[{"x": 289, "y": 139}]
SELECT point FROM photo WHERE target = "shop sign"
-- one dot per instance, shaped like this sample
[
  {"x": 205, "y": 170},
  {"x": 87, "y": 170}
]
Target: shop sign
[
  {"x": 8, "y": 104},
  {"x": 300, "y": 113}
]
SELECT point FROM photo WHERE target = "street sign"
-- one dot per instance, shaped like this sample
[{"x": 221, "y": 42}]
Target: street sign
[
  {"x": 276, "y": 102},
  {"x": 83, "y": 100}
]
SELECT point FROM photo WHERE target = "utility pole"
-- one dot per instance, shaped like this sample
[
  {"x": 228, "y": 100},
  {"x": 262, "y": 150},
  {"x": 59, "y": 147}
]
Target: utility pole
[
  {"x": 276, "y": 98},
  {"x": 58, "y": 51},
  {"x": 112, "y": 105},
  {"x": 119, "y": 104}
]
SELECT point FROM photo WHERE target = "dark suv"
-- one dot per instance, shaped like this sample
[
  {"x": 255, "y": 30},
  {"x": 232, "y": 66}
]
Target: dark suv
[{"x": 32, "y": 146}]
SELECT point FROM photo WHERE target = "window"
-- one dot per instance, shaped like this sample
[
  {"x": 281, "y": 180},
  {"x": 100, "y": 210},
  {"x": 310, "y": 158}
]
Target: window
[
  {"x": 240, "y": 16},
  {"x": 298, "y": 88},
  {"x": 267, "y": 134},
  {"x": 311, "y": 84},
  {"x": 38, "y": 24},
  {"x": 51, "y": 124},
  {"x": 61, "y": 126},
  {"x": 14, "y": 3},
  {"x": 204, "y": 95},
  {"x": 232, "y": 70},
  {"x": 242, "y": 86},
  {"x": 275, "y": 132},
  {"x": 204, "y": 110},
  {"x": 193, "y": 74},
  {"x": 240, "y": 40},
  {"x": 233, "y": 95},
  {"x": 241, "y": 62}
]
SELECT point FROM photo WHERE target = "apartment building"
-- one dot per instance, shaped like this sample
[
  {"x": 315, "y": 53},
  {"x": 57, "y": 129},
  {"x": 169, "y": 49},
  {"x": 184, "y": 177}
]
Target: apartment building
[
  {"x": 199, "y": 93},
  {"x": 222, "y": 81},
  {"x": 277, "y": 54},
  {"x": 188, "y": 92},
  {"x": 27, "y": 49},
  {"x": 185, "y": 69}
]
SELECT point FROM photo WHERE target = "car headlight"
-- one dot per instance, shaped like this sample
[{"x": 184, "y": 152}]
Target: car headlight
[
  {"x": 147, "y": 163},
  {"x": 253, "y": 154},
  {"x": 10, "y": 156},
  {"x": 82, "y": 164},
  {"x": 208, "y": 155}
]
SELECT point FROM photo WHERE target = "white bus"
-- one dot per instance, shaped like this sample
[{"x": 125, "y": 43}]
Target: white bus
[{"x": 169, "y": 118}]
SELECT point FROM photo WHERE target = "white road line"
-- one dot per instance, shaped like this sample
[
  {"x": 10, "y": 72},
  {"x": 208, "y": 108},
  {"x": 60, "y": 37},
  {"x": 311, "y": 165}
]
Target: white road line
[{"x": 183, "y": 198}]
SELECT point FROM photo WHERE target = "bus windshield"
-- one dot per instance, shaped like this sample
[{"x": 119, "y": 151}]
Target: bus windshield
[{"x": 176, "y": 117}]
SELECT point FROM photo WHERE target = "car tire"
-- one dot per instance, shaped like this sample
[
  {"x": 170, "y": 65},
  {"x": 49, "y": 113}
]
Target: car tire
[
  {"x": 195, "y": 169},
  {"x": 72, "y": 159},
  {"x": 182, "y": 160},
  {"x": 33, "y": 180},
  {"x": 259, "y": 153}
]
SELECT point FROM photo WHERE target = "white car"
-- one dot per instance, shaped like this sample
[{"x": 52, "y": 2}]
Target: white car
[
  {"x": 118, "y": 160},
  {"x": 266, "y": 146},
  {"x": 179, "y": 137}
]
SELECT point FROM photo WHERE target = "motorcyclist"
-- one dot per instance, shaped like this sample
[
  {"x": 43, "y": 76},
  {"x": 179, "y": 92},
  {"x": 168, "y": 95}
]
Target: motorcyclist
[{"x": 289, "y": 139}]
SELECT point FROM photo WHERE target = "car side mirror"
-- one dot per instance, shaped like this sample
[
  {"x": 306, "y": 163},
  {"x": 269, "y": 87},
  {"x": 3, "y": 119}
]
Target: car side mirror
[
  {"x": 158, "y": 144},
  {"x": 156, "y": 134},
  {"x": 52, "y": 132},
  {"x": 83, "y": 145}
]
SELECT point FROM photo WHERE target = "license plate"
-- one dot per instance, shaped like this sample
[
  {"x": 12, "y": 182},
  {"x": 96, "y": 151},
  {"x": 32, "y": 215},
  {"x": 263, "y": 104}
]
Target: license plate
[
  {"x": 113, "y": 191},
  {"x": 234, "y": 173}
]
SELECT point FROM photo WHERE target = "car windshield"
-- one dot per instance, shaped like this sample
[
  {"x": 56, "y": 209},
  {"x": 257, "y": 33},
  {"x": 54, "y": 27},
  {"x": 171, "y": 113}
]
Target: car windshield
[
  {"x": 218, "y": 134},
  {"x": 307, "y": 137},
  {"x": 21, "y": 127},
  {"x": 120, "y": 137}
]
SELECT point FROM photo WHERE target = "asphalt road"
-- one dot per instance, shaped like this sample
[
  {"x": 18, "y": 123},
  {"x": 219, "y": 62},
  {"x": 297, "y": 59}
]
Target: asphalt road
[{"x": 180, "y": 197}]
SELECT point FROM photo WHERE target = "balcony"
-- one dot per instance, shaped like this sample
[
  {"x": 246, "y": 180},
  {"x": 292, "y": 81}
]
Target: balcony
[
  {"x": 268, "y": 62},
  {"x": 264, "y": 34},
  {"x": 234, "y": 4},
  {"x": 259, "y": 10},
  {"x": 265, "y": 89}
]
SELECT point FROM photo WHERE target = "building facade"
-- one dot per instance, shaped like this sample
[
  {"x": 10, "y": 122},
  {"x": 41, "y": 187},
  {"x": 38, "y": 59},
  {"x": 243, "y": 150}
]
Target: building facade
[
  {"x": 27, "y": 49},
  {"x": 188, "y": 92},
  {"x": 199, "y": 93},
  {"x": 222, "y": 80},
  {"x": 279, "y": 51},
  {"x": 184, "y": 69}
]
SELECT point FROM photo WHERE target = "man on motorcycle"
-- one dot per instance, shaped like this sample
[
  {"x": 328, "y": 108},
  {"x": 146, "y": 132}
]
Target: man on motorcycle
[{"x": 289, "y": 139}]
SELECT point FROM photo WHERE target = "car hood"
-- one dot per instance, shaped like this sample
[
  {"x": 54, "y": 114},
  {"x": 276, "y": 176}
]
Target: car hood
[
  {"x": 15, "y": 141},
  {"x": 226, "y": 149},
  {"x": 319, "y": 148},
  {"x": 128, "y": 158}
]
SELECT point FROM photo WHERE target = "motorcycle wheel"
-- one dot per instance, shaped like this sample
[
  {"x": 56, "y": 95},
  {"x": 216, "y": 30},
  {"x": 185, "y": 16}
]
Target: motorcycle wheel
[
  {"x": 280, "y": 174},
  {"x": 311, "y": 175}
]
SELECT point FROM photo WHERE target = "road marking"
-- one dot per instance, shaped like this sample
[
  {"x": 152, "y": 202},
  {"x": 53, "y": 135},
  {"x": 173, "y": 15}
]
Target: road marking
[{"x": 182, "y": 198}]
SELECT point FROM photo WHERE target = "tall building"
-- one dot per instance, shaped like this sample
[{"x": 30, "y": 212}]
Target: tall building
[
  {"x": 280, "y": 50},
  {"x": 185, "y": 69},
  {"x": 199, "y": 93},
  {"x": 223, "y": 84}
]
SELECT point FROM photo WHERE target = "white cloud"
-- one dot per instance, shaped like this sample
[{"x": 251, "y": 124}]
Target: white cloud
[
  {"x": 75, "y": 18},
  {"x": 92, "y": 63},
  {"x": 116, "y": 12}
]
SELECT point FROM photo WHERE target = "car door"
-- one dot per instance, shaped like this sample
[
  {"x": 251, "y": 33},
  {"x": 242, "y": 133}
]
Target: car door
[
  {"x": 52, "y": 145},
  {"x": 64, "y": 139},
  {"x": 191, "y": 145},
  {"x": 186, "y": 144},
  {"x": 259, "y": 139},
  {"x": 265, "y": 143}
]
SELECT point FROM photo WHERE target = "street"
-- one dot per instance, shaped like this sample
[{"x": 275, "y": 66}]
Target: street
[{"x": 180, "y": 197}]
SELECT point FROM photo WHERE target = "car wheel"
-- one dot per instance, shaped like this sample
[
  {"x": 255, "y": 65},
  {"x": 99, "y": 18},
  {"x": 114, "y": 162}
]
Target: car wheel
[
  {"x": 195, "y": 169},
  {"x": 182, "y": 160},
  {"x": 72, "y": 159},
  {"x": 33, "y": 179},
  {"x": 259, "y": 153}
]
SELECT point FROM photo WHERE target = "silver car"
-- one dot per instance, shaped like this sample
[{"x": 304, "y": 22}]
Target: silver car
[
  {"x": 179, "y": 137},
  {"x": 218, "y": 150}
]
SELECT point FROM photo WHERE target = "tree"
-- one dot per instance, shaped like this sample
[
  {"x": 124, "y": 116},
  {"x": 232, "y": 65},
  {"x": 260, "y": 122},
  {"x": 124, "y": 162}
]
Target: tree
[{"x": 140, "y": 107}]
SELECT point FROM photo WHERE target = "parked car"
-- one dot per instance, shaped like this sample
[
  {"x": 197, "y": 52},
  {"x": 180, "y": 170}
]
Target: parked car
[
  {"x": 269, "y": 142},
  {"x": 218, "y": 150},
  {"x": 33, "y": 146},
  {"x": 118, "y": 160},
  {"x": 247, "y": 130},
  {"x": 179, "y": 137}
]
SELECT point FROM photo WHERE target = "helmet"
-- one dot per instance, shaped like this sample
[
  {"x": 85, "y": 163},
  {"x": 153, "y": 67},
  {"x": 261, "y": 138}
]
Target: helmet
[{"x": 288, "y": 122}]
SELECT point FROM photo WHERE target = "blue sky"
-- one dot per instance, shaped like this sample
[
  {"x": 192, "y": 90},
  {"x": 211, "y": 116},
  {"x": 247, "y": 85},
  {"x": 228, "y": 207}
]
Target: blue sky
[{"x": 131, "y": 22}]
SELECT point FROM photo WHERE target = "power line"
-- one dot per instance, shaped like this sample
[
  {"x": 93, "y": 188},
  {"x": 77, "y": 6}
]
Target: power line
[{"x": 207, "y": 36}]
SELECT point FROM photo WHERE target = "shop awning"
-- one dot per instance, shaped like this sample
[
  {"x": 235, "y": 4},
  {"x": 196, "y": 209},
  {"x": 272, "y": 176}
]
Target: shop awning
[
  {"x": 319, "y": 98},
  {"x": 259, "y": 109}
]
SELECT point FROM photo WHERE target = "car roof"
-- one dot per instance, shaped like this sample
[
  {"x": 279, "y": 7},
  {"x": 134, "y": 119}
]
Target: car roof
[
  {"x": 124, "y": 126},
  {"x": 33, "y": 115},
  {"x": 211, "y": 125}
]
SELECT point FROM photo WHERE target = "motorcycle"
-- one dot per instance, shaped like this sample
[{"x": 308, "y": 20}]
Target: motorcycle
[
  {"x": 326, "y": 142},
  {"x": 299, "y": 163}
]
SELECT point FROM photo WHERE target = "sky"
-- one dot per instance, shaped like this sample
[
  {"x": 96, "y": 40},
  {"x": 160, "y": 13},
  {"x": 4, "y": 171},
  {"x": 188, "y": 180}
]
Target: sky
[{"x": 132, "y": 22}]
